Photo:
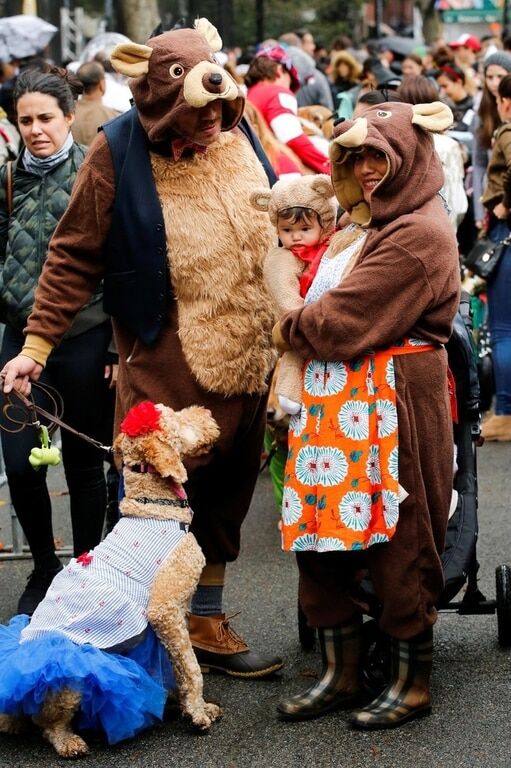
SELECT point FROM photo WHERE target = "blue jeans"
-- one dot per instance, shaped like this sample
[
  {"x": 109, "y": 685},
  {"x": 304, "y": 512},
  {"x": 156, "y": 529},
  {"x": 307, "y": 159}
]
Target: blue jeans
[{"x": 499, "y": 317}]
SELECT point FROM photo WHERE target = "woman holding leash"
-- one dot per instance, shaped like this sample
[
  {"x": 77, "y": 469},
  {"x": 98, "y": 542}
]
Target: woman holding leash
[{"x": 33, "y": 198}]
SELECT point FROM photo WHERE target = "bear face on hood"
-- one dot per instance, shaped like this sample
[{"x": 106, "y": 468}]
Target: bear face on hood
[
  {"x": 414, "y": 171},
  {"x": 314, "y": 192},
  {"x": 173, "y": 76}
]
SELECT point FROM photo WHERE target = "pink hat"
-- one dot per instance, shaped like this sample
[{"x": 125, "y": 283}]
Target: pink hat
[
  {"x": 467, "y": 41},
  {"x": 276, "y": 53}
]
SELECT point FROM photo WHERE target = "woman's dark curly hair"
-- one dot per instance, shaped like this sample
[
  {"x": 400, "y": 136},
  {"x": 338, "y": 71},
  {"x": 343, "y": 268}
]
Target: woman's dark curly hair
[{"x": 64, "y": 86}]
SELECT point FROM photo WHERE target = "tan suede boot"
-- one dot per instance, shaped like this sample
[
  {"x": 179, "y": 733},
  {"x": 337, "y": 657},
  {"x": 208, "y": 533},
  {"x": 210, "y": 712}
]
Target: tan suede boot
[
  {"x": 218, "y": 647},
  {"x": 497, "y": 428}
]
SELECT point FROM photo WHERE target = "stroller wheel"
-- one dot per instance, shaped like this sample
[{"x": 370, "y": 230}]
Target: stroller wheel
[
  {"x": 503, "y": 585},
  {"x": 306, "y": 634},
  {"x": 375, "y": 659}
]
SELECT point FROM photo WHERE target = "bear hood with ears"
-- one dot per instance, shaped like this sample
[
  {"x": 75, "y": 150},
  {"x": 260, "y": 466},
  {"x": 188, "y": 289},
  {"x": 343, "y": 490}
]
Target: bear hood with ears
[
  {"x": 315, "y": 192},
  {"x": 414, "y": 171},
  {"x": 174, "y": 75}
]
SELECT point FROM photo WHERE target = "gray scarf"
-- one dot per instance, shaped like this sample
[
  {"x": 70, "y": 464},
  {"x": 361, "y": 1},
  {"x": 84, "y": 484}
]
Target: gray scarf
[{"x": 43, "y": 165}]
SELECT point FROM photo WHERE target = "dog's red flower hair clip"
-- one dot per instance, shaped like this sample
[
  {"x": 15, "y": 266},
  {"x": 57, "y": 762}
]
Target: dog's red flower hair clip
[{"x": 141, "y": 419}]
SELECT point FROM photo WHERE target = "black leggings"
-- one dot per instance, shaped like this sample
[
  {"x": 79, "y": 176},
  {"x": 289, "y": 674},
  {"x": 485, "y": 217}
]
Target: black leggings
[{"x": 76, "y": 369}]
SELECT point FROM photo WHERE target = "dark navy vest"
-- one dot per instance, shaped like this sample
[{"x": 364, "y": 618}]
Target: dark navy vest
[{"x": 137, "y": 287}]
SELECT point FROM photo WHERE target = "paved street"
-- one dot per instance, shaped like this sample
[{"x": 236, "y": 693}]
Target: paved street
[{"x": 470, "y": 724}]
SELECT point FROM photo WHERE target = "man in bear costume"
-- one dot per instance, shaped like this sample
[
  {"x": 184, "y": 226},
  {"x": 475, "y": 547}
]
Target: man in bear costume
[{"x": 160, "y": 211}]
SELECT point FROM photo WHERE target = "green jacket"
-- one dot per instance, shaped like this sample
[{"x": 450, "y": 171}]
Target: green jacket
[{"x": 37, "y": 206}]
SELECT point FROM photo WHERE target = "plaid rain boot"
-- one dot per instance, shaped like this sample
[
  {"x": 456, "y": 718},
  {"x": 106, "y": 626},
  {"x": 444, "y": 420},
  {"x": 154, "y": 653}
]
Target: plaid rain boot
[
  {"x": 407, "y": 695},
  {"x": 338, "y": 684}
]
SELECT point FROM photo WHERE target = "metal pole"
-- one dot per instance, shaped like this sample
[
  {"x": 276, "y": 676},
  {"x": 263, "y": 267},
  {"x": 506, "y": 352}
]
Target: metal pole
[
  {"x": 259, "y": 20},
  {"x": 378, "y": 17},
  {"x": 505, "y": 18}
]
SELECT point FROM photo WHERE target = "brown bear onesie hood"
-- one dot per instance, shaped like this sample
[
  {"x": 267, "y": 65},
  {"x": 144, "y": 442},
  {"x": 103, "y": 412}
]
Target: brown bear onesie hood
[{"x": 405, "y": 282}]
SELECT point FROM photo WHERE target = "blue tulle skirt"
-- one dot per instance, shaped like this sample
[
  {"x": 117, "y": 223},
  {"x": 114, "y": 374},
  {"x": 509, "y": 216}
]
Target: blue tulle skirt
[{"x": 121, "y": 694}]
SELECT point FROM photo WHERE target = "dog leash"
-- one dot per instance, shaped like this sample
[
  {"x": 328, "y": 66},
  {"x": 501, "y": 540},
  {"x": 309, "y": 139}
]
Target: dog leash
[{"x": 34, "y": 411}]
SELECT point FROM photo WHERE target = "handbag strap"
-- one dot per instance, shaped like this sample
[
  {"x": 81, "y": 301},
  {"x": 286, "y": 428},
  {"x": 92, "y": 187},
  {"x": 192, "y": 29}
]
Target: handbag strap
[{"x": 8, "y": 167}]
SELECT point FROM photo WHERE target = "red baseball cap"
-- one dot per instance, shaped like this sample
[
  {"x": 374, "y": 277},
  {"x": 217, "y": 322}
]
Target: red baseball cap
[
  {"x": 467, "y": 41},
  {"x": 277, "y": 53}
]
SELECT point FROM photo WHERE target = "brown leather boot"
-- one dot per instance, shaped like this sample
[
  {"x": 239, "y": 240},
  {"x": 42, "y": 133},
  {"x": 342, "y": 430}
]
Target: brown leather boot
[
  {"x": 497, "y": 428},
  {"x": 218, "y": 647}
]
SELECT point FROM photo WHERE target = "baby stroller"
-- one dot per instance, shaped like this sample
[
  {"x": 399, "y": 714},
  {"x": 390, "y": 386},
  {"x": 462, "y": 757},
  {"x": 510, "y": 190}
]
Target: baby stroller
[{"x": 459, "y": 559}]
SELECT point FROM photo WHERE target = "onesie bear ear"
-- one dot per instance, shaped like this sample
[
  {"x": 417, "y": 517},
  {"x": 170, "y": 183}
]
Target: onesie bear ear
[
  {"x": 322, "y": 184},
  {"x": 435, "y": 117},
  {"x": 260, "y": 199},
  {"x": 210, "y": 32},
  {"x": 131, "y": 59}
]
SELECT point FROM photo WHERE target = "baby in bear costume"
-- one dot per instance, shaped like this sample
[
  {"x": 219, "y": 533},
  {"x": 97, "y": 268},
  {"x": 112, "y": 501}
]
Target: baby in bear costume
[{"x": 303, "y": 211}]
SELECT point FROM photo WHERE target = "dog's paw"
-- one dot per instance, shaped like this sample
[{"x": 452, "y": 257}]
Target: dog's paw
[
  {"x": 74, "y": 746},
  {"x": 12, "y": 724},
  {"x": 213, "y": 710},
  {"x": 202, "y": 717}
]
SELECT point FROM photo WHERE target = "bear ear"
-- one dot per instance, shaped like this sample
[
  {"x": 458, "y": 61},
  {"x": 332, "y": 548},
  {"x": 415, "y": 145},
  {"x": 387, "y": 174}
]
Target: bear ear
[
  {"x": 260, "y": 199},
  {"x": 322, "y": 184},
  {"x": 435, "y": 117},
  {"x": 210, "y": 32},
  {"x": 131, "y": 59}
]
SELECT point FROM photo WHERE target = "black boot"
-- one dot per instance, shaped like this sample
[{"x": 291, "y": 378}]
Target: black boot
[
  {"x": 338, "y": 684},
  {"x": 407, "y": 696},
  {"x": 38, "y": 584}
]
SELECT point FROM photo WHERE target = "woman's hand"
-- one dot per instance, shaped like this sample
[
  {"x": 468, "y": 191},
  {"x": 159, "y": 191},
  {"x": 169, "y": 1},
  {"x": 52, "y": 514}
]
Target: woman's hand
[
  {"x": 17, "y": 374},
  {"x": 111, "y": 371},
  {"x": 500, "y": 211}
]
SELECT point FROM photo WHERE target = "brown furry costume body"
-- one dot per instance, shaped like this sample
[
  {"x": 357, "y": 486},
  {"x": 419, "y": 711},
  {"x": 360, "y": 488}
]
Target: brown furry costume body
[{"x": 215, "y": 347}]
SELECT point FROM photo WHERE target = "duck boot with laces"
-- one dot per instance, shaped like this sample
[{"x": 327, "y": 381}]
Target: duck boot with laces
[
  {"x": 218, "y": 647},
  {"x": 407, "y": 696},
  {"x": 338, "y": 685}
]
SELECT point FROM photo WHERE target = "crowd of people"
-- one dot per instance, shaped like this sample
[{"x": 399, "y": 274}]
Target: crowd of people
[{"x": 119, "y": 236}]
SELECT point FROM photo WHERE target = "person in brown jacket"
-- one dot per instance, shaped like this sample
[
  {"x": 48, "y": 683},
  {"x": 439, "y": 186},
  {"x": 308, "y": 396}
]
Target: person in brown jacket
[
  {"x": 91, "y": 113},
  {"x": 375, "y": 369}
]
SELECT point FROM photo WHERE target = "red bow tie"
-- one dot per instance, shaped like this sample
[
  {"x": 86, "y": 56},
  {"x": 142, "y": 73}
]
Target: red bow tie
[{"x": 178, "y": 146}]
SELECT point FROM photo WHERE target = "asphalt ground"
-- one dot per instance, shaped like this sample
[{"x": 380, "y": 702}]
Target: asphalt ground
[{"x": 470, "y": 723}]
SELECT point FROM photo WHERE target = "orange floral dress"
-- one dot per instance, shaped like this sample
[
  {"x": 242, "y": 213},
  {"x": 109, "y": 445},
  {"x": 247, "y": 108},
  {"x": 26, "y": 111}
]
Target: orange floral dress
[
  {"x": 341, "y": 481},
  {"x": 341, "y": 478}
]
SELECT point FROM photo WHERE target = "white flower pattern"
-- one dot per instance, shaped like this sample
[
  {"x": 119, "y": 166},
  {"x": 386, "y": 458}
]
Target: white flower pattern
[
  {"x": 373, "y": 470},
  {"x": 307, "y": 465},
  {"x": 291, "y": 506},
  {"x": 387, "y": 417},
  {"x": 330, "y": 544},
  {"x": 354, "y": 419},
  {"x": 390, "y": 508},
  {"x": 332, "y": 466},
  {"x": 306, "y": 543},
  {"x": 355, "y": 510},
  {"x": 390, "y": 373}
]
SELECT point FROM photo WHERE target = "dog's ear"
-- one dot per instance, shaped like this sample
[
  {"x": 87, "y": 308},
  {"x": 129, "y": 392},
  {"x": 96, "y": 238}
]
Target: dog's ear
[
  {"x": 118, "y": 445},
  {"x": 197, "y": 430},
  {"x": 164, "y": 457}
]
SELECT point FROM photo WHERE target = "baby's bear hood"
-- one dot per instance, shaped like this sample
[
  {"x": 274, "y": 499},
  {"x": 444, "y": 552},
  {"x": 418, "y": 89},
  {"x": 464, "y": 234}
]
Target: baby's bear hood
[
  {"x": 175, "y": 74},
  {"x": 402, "y": 132},
  {"x": 314, "y": 192}
]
